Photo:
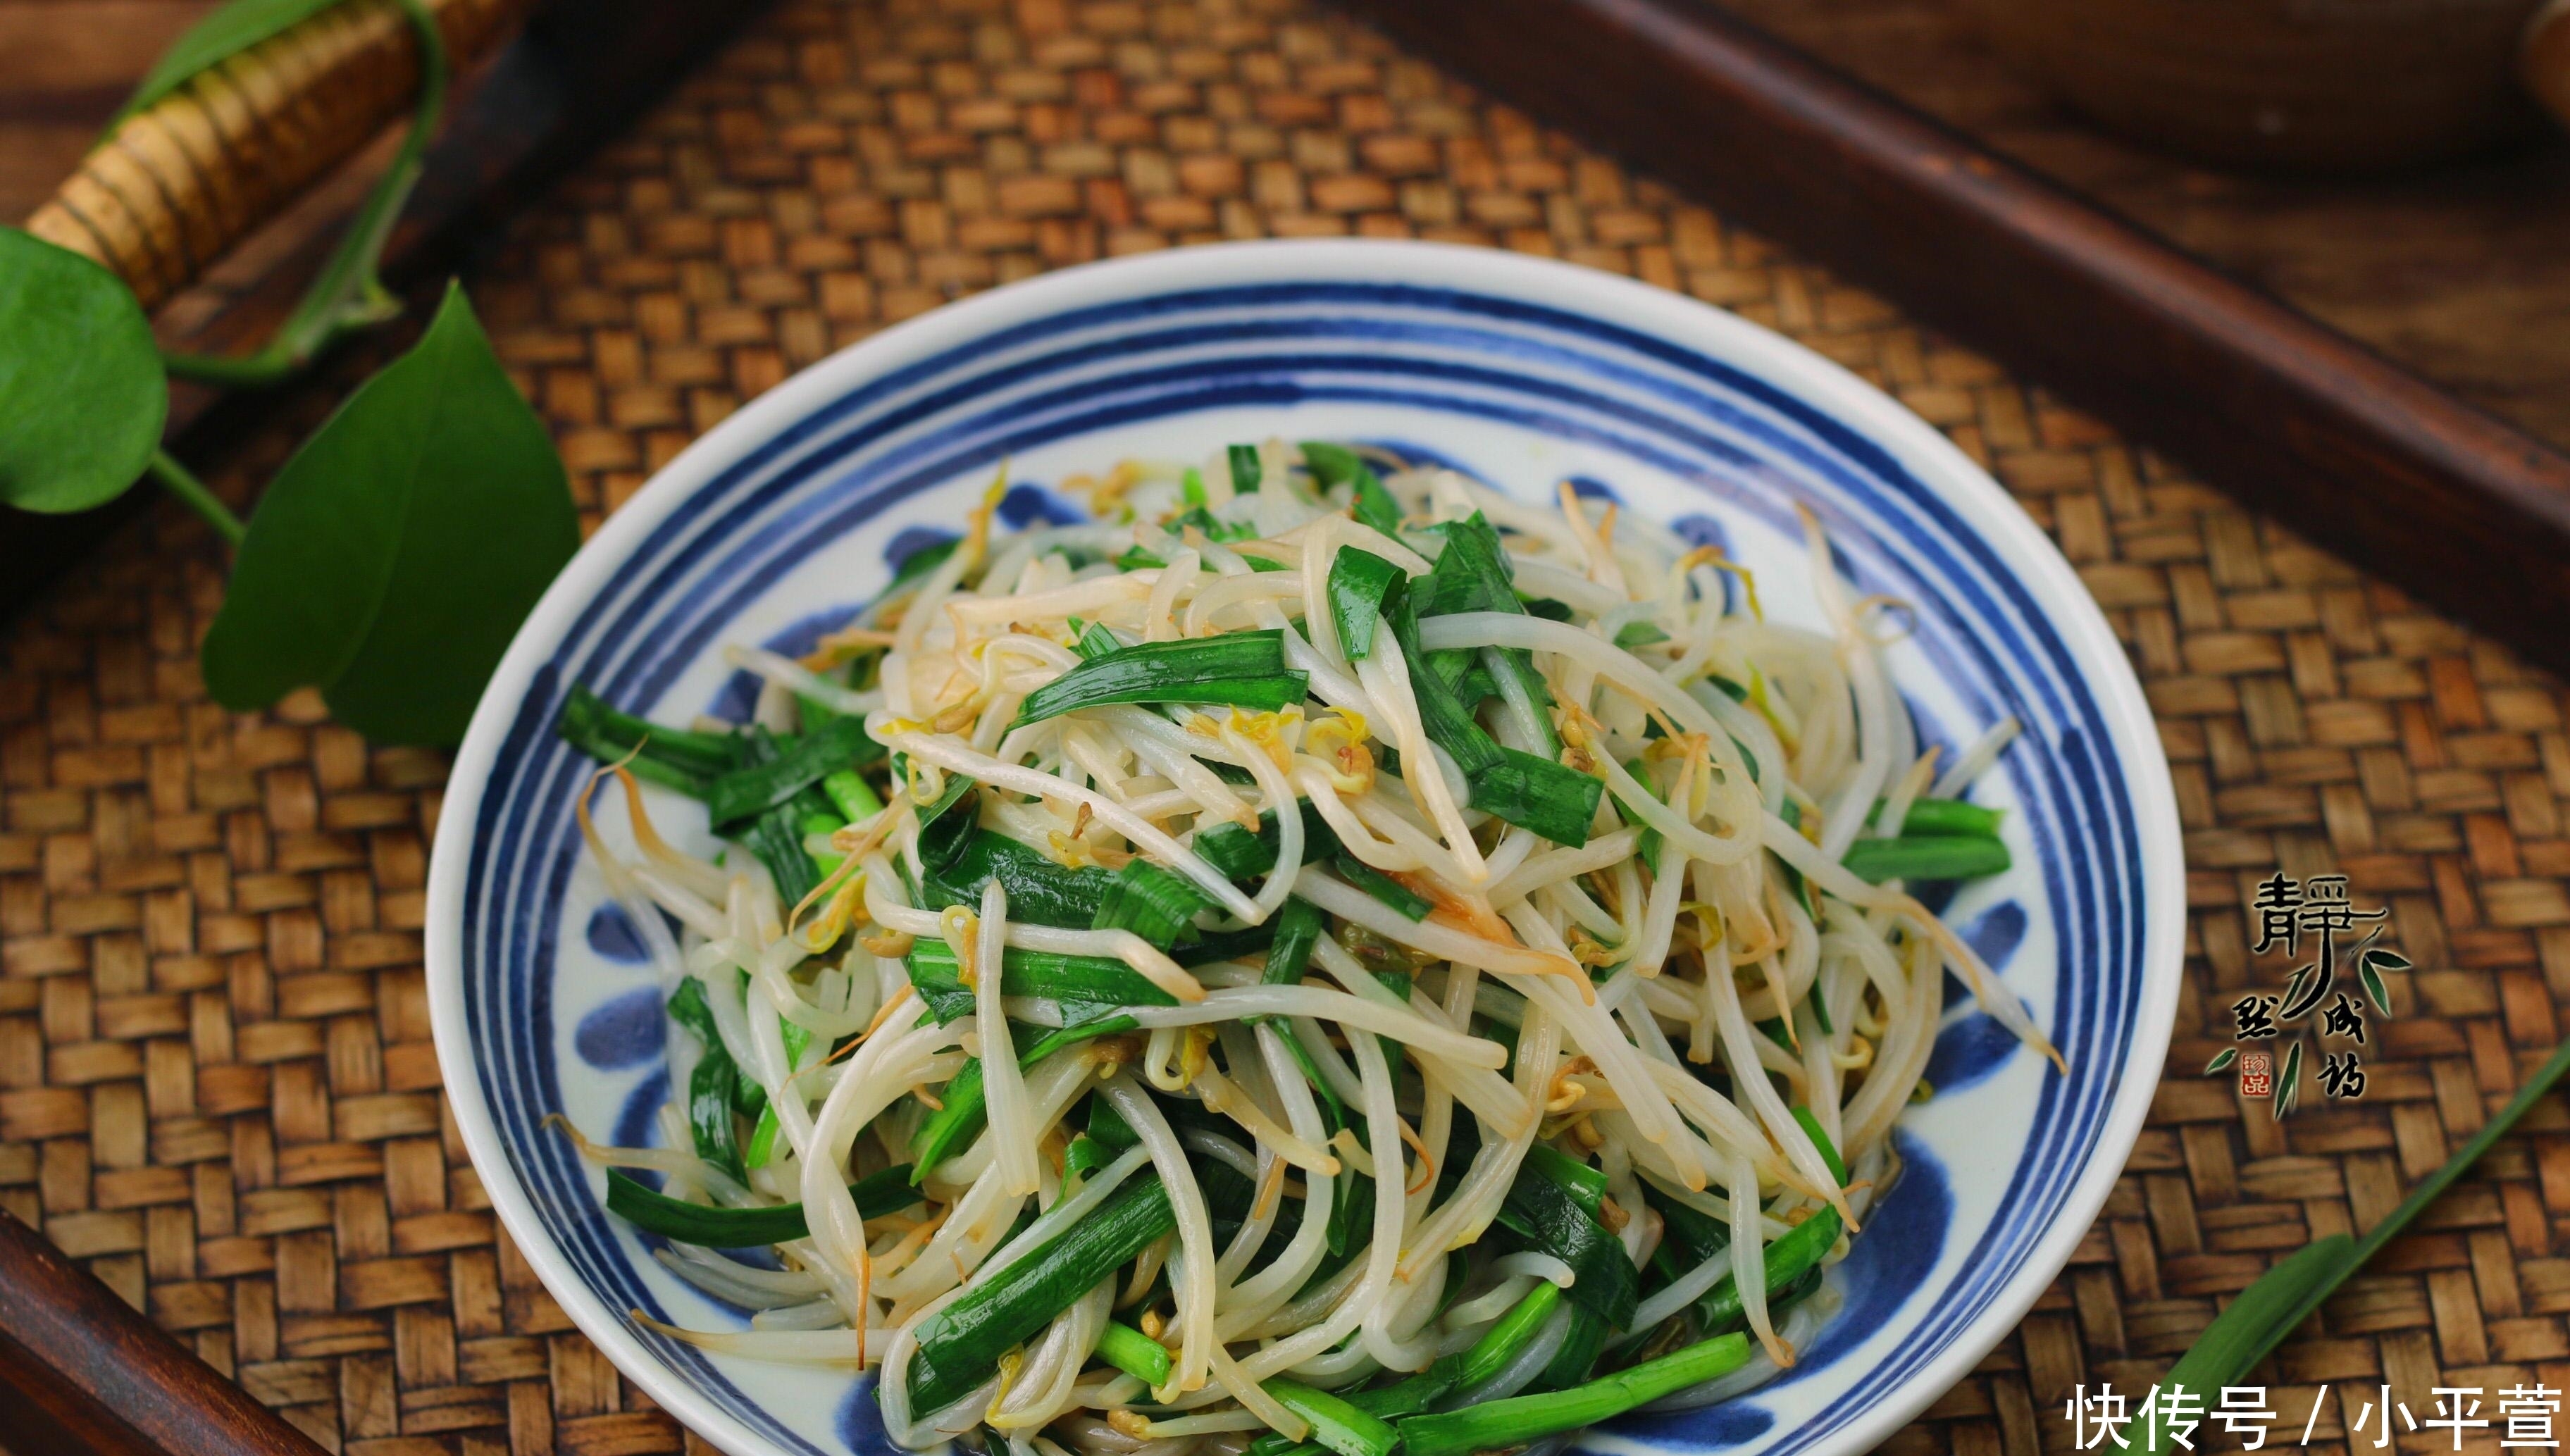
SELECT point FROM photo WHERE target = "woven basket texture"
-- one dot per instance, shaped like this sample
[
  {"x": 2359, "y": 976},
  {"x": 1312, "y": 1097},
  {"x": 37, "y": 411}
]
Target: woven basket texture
[{"x": 217, "y": 1086}]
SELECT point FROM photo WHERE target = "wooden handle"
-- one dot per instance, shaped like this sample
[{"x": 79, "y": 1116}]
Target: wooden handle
[
  {"x": 2543, "y": 60},
  {"x": 83, "y": 1374},
  {"x": 171, "y": 187},
  {"x": 2287, "y": 415}
]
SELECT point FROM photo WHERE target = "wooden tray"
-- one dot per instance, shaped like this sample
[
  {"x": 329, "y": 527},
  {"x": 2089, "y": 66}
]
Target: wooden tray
[{"x": 2292, "y": 417}]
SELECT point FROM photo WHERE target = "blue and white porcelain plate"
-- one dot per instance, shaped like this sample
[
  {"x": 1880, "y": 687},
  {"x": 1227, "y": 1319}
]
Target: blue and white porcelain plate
[{"x": 1520, "y": 372}]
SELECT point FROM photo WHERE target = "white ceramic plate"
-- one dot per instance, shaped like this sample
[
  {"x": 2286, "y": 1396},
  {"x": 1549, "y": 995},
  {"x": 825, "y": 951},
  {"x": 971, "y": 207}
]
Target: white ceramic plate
[{"x": 1519, "y": 371}]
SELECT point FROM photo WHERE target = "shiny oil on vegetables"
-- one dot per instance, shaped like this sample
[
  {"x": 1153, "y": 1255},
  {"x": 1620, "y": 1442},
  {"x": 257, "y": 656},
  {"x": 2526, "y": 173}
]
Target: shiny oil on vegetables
[{"x": 1323, "y": 956}]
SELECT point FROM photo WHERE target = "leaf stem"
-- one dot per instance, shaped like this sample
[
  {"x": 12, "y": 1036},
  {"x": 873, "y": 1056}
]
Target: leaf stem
[
  {"x": 180, "y": 482},
  {"x": 347, "y": 295}
]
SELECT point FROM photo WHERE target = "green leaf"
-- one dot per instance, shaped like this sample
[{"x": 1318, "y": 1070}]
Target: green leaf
[
  {"x": 2288, "y": 1086},
  {"x": 217, "y": 38},
  {"x": 2375, "y": 989},
  {"x": 2260, "y": 1317},
  {"x": 2222, "y": 1061},
  {"x": 395, "y": 554},
  {"x": 2295, "y": 984},
  {"x": 2379, "y": 959},
  {"x": 2283, "y": 1297},
  {"x": 82, "y": 396}
]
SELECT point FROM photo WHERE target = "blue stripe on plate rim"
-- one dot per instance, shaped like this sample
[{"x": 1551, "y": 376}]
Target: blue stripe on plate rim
[{"x": 1573, "y": 375}]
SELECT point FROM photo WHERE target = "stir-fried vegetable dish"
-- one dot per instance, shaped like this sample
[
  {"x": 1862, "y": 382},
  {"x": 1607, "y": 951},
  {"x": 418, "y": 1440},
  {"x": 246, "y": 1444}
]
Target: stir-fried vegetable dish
[{"x": 1323, "y": 956}]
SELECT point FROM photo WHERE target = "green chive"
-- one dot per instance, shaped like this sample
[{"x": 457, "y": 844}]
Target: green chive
[
  {"x": 1406, "y": 1397},
  {"x": 775, "y": 834},
  {"x": 763, "y": 1139},
  {"x": 1335, "y": 465},
  {"x": 688, "y": 1007},
  {"x": 2260, "y": 1317},
  {"x": 1359, "y": 580},
  {"x": 855, "y": 797},
  {"x": 1411, "y": 906},
  {"x": 673, "y": 757},
  {"x": 1578, "y": 1358},
  {"x": 1239, "y": 853},
  {"x": 1136, "y": 1354},
  {"x": 1097, "y": 642},
  {"x": 966, "y": 1112},
  {"x": 1934, "y": 816},
  {"x": 1091, "y": 983},
  {"x": 1041, "y": 892},
  {"x": 946, "y": 827},
  {"x": 1926, "y": 857},
  {"x": 1790, "y": 1258},
  {"x": 712, "y": 1091},
  {"x": 810, "y": 758},
  {"x": 1552, "y": 1204},
  {"x": 1245, "y": 467},
  {"x": 1245, "y": 669},
  {"x": 916, "y": 567},
  {"x": 680, "y": 1222},
  {"x": 1337, "y": 1426},
  {"x": 1299, "y": 926},
  {"x": 1586, "y": 1185},
  {"x": 1086, "y": 1155},
  {"x": 1508, "y": 1334},
  {"x": 1474, "y": 574},
  {"x": 1555, "y": 800},
  {"x": 1149, "y": 901},
  {"x": 961, "y": 1344},
  {"x": 1203, "y": 520},
  {"x": 1524, "y": 1418}
]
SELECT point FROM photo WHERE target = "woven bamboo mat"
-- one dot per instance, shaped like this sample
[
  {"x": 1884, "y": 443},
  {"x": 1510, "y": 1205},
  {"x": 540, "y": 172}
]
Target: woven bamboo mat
[{"x": 215, "y": 1079}]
